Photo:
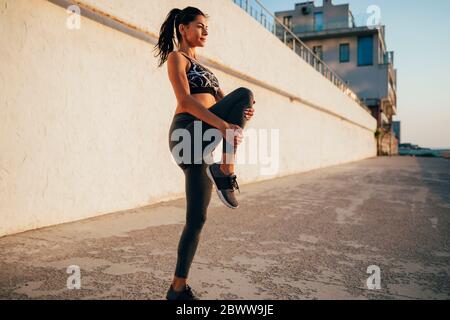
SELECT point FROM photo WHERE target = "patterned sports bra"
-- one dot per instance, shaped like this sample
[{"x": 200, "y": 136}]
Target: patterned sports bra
[{"x": 201, "y": 79}]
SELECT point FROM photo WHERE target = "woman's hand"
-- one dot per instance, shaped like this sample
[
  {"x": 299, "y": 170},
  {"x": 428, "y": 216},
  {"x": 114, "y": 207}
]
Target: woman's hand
[
  {"x": 249, "y": 112},
  {"x": 234, "y": 131}
]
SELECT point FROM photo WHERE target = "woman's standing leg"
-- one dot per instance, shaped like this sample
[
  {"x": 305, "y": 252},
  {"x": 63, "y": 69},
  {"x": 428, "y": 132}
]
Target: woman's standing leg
[{"x": 198, "y": 196}]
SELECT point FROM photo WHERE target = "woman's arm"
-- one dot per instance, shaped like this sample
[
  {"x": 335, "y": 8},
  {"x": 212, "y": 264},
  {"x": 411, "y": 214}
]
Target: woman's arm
[{"x": 176, "y": 67}]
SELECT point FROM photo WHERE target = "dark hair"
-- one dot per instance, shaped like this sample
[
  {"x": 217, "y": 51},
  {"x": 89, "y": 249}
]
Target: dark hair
[{"x": 166, "y": 35}]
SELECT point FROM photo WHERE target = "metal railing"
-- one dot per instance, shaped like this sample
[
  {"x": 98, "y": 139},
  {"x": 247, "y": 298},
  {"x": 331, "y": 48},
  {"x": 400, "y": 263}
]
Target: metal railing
[{"x": 261, "y": 14}]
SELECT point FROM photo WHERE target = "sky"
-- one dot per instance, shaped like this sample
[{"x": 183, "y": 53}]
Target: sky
[{"x": 419, "y": 34}]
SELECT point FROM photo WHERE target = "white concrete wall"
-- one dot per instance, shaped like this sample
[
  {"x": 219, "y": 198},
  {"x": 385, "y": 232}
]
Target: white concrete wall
[{"x": 84, "y": 114}]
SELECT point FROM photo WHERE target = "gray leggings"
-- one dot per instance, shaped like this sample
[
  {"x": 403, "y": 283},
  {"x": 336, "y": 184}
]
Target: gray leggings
[{"x": 198, "y": 186}]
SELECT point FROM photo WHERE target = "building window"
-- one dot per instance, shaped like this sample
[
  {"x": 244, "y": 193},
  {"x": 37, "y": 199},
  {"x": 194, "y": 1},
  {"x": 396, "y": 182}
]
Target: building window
[
  {"x": 287, "y": 21},
  {"x": 318, "y": 21},
  {"x": 318, "y": 51},
  {"x": 344, "y": 52},
  {"x": 365, "y": 50}
]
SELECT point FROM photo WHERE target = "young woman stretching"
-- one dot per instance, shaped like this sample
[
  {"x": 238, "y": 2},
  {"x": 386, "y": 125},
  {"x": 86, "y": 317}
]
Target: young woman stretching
[{"x": 202, "y": 108}]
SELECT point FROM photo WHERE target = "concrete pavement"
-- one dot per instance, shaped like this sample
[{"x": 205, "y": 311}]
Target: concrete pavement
[{"x": 307, "y": 236}]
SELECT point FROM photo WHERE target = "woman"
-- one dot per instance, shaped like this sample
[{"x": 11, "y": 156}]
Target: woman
[{"x": 201, "y": 108}]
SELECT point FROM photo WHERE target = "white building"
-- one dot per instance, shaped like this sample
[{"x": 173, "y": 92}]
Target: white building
[{"x": 358, "y": 54}]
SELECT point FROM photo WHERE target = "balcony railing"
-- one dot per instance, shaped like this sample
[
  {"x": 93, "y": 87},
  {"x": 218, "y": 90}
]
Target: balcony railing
[
  {"x": 330, "y": 24},
  {"x": 257, "y": 10}
]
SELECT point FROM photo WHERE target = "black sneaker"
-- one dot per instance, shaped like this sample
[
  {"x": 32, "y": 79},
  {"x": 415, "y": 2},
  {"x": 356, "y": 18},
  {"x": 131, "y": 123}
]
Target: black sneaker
[
  {"x": 186, "y": 294},
  {"x": 225, "y": 185}
]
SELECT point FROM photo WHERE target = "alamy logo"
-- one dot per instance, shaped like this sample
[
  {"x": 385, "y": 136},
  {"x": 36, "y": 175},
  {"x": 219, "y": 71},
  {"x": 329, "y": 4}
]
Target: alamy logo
[
  {"x": 259, "y": 146},
  {"x": 374, "y": 20},
  {"x": 74, "y": 281},
  {"x": 73, "y": 22},
  {"x": 374, "y": 281}
]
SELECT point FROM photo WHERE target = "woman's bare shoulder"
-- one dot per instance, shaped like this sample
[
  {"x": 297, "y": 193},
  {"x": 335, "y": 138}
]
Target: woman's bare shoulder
[{"x": 177, "y": 59}]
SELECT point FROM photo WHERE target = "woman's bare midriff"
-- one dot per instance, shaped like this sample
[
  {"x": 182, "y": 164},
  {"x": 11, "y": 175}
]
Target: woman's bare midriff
[{"x": 206, "y": 99}]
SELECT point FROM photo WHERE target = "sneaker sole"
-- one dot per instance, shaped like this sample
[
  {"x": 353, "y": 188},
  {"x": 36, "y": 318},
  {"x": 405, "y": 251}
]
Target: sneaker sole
[{"x": 221, "y": 197}]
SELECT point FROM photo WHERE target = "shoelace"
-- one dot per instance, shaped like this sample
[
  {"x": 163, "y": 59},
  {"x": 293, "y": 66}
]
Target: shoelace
[{"x": 234, "y": 183}]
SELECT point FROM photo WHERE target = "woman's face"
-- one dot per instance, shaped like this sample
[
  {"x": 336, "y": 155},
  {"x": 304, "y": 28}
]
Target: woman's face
[{"x": 196, "y": 32}]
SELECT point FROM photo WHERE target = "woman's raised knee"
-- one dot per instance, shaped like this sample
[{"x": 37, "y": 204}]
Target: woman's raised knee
[
  {"x": 245, "y": 92},
  {"x": 247, "y": 95}
]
